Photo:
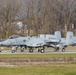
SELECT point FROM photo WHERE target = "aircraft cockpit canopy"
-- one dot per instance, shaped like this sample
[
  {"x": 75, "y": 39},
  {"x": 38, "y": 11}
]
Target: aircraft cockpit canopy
[{"x": 14, "y": 36}]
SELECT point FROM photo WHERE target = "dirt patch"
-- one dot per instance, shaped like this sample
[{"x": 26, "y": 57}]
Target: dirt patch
[{"x": 25, "y": 61}]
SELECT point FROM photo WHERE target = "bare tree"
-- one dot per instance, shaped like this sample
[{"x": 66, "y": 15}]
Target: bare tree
[
  {"x": 9, "y": 10},
  {"x": 42, "y": 16},
  {"x": 67, "y": 10}
]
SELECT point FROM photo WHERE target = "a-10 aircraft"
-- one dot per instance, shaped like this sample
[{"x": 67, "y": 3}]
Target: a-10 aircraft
[
  {"x": 41, "y": 41},
  {"x": 44, "y": 40},
  {"x": 15, "y": 41}
]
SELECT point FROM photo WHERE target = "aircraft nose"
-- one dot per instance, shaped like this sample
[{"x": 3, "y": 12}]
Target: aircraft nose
[{"x": 5, "y": 43}]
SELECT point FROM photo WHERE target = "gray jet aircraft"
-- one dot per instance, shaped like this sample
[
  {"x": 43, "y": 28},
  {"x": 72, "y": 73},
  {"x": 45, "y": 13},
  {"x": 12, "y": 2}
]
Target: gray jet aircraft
[
  {"x": 70, "y": 40},
  {"x": 15, "y": 42},
  {"x": 44, "y": 40},
  {"x": 54, "y": 41}
]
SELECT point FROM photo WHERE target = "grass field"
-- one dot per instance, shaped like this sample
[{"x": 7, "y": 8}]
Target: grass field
[
  {"x": 49, "y": 69},
  {"x": 37, "y": 55}
]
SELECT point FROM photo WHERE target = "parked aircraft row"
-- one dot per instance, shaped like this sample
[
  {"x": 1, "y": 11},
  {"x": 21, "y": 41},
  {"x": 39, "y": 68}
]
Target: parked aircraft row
[{"x": 40, "y": 42}]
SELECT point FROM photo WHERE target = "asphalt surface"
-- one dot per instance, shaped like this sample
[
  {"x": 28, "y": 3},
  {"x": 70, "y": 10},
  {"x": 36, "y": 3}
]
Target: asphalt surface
[{"x": 36, "y": 52}]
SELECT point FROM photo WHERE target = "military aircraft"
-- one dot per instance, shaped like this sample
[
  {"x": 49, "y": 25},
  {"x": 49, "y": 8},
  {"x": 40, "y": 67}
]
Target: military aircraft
[
  {"x": 15, "y": 42},
  {"x": 44, "y": 40},
  {"x": 54, "y": 41},
  {"x": 70, "y": 40}
]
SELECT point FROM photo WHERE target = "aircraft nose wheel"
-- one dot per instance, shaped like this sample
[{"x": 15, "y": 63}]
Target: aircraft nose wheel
[
  {"x": 22, "y": 49},
  {"x": 14, "y": 49}
]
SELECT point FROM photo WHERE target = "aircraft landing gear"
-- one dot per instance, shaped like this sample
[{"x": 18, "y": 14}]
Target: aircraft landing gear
[
  {"x": 22, "y": 49},
  {"x": 56, "y": 49},
  {"x": 1, "y": 49},
  {"x": 63, "y": 49},
  {"x": 31, "y": 50},
  {"x": 14, "y": 49},
  {"x": 42, "y": 50},
  {"x": 38, "y": 49}
]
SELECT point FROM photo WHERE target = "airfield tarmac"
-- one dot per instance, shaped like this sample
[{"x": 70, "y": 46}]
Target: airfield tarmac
[{"x": 36, "y": 52}]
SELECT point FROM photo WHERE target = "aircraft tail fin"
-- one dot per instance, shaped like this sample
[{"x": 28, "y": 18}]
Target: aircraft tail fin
[
  {"x": 69, "y": 38},
  {"x": 58, "y": 35}
]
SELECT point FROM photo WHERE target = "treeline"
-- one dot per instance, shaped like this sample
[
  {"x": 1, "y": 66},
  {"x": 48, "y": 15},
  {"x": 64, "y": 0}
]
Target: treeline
[
  {"x": 8, "y": 13},
  {"x": 42, "y": 16}
]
